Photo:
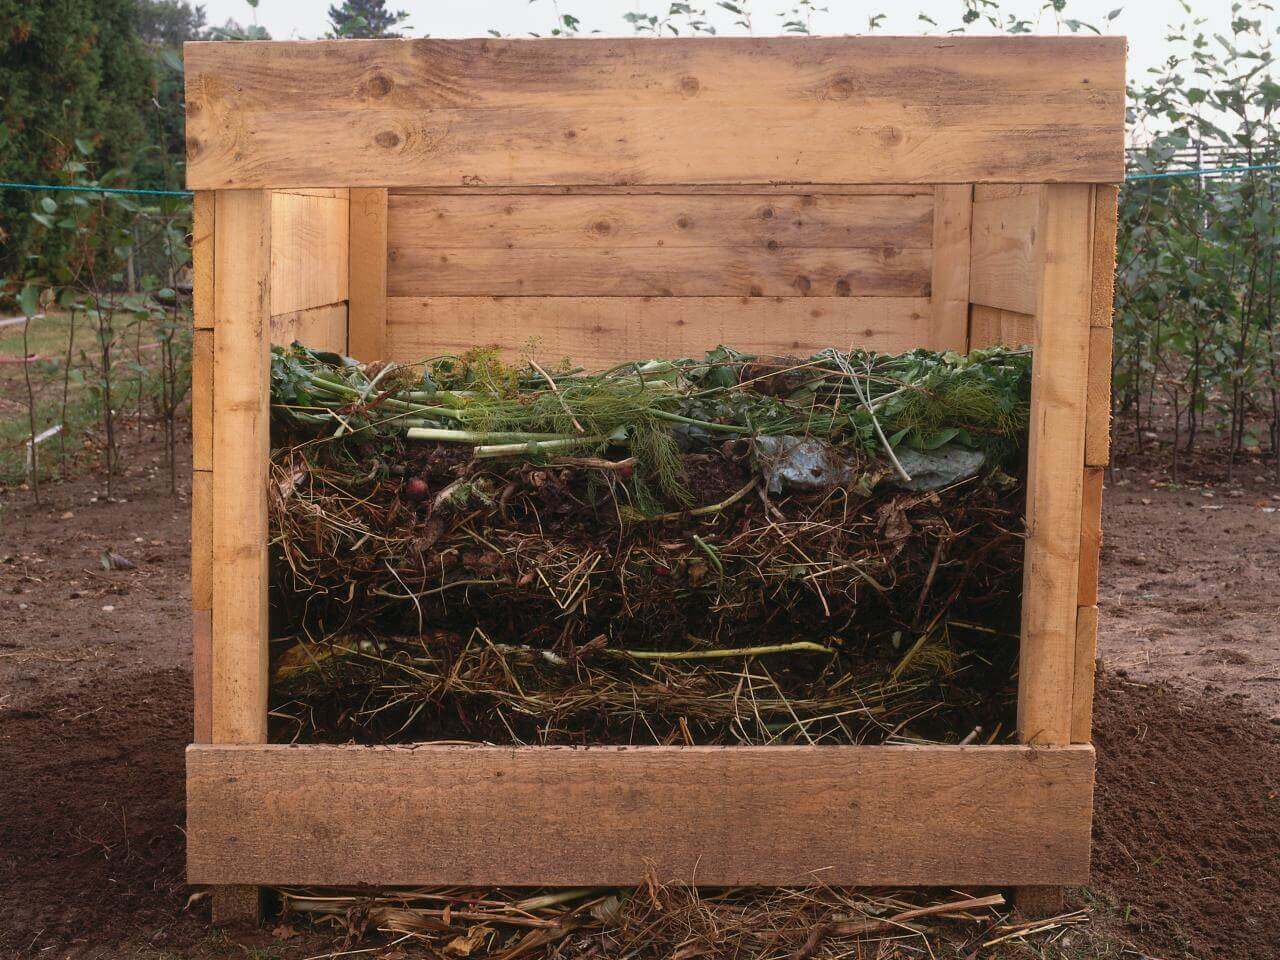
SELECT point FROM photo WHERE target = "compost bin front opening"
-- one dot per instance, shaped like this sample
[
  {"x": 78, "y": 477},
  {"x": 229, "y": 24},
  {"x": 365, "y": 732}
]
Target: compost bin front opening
[{"x": 733, "y": 549}]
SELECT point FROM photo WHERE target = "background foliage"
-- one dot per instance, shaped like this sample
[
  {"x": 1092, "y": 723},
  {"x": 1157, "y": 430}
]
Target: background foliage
[{"x": 91, "y": 94}]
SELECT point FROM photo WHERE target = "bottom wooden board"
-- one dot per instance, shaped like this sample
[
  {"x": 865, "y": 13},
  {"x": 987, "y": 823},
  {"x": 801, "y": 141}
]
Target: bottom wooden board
[{"x": 604, "y": 816}]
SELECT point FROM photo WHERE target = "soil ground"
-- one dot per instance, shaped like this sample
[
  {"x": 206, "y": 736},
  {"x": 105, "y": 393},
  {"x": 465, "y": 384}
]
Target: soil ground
[{"x": 95, "y": 711}]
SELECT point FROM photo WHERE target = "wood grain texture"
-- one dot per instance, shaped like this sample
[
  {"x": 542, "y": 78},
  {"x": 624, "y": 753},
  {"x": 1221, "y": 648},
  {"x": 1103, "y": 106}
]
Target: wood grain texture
[
  {"x": 1105, "y": 216},
  {"x": 202, "y": 214},
  {"x": 202, "y": 604},
  {"x": 443, "y": 815},
  {"x": 1039, "y": 901},
  {"x": 989, "y": 326},
  {"x": 626, "y": 222},
  {"x": 201, "y": 540},
  {"x": 949, "y": 289},
  {"x": 202, "y": 676},
  {"x": 1090, "y": 536},
  {"x": 740, "y": 271},
  {"x": 308, "y": 251},
  {"x": 1004, "y": 256},
  {"x": 1001, "y": 191},
  {"x": 367, "y": 272},
  {"x": 202, "y": 399},
  {"x": 1097, "y": 427},
  {"x": 340, "y": 192},
  {"x": 849, "y": 109},
  {"x": 1085, "y": 667},
  {"x": 241, "y": 444},
  {"x": 1055, "y": 454},
  {"x": 667, "y": 189},
  {"x": 597, "y": 332},
  {"x": 321, "y": 328},
  {"x": 235, "y": 905}
]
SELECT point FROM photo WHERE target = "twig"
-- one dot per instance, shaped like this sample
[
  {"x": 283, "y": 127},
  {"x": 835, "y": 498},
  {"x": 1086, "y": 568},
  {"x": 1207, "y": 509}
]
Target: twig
[
  {"x": 559, "y": 396},
  {"x": 797, "y": 646}
]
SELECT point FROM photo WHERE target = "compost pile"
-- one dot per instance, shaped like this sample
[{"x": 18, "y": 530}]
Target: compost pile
[{"x": 731, "y": 549}]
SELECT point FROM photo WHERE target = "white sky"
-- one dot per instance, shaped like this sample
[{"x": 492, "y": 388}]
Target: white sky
[{"x": 1144, "y": 22}]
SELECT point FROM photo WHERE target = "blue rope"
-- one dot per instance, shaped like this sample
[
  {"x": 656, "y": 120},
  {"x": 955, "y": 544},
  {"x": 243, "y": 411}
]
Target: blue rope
[
  {"x": 128, "y": 191},
  {"x": 136, "y": 192},
  {"x": 1204, "y": 172}
]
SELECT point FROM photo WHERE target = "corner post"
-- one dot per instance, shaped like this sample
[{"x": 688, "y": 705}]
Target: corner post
[
  {"x": 241, "y": 451},
  {"x": 1055, "y": 487},
  {"x": 1063, "y": 278}
]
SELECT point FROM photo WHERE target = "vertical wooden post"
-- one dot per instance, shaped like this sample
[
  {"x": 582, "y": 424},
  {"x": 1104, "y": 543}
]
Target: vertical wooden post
[
  {"x": 1056, "y": 452},
  {"x": 241, "y": 448},
  {"x": 952, "y": 217},
  {"x": 1059, "y": 381},
  {"x": 202, "y": 230},
  {"x": 1097, "y": 453},
  {"x": 367, "y": 280}
]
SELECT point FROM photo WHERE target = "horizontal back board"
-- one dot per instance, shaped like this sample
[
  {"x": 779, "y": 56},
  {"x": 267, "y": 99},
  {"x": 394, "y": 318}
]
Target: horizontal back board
[
  {"x": 609, "y": 277},
  {"x": 640, "y": 246},
  {"x": 654, "y": 111}
]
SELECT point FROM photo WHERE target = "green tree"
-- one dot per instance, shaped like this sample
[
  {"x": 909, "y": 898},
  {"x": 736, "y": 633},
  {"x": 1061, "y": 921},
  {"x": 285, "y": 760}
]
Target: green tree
[
  {"x": 364, "y": 19},
  {"x": 75, "y": 82}
]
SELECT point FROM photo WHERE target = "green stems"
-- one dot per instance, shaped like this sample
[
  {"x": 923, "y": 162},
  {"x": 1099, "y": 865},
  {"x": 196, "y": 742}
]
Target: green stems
[
  {"x": 535, "y": 447},
  {"x": 480, "y": 437}
]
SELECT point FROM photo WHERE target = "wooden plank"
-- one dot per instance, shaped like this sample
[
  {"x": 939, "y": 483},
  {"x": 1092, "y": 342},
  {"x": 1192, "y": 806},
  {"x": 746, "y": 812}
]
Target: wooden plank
[
  {"x": 1004, "y": 254},
  {"x": 202, "y": 604},
  {"x": 668, "y": 189},
  {"x": 989, "y": 326},
  {"x": 201, "y": 540},
  {"x": 1090, "y": 536},
  {"x": 338, "y": 192},
  {"x": 1097, "y": 436},
  {"x": 321, "y": 328},
  {"x": 597, "y": 332},
  {"x": 1055, "y": 454},
  {"x": 236, "y": 905},
  {"x": 202, "y": 399},
  {"x": 1086, "y": 654},
  {"x": 241, "y": 445},
  {"x": 308, "y": 251},
  {"x": 999, "y": 191},
  {"x": 202, "y": 675},
  {"x": 543, "y": 222},
  {"x": 741, "y": 110},
  {"x": 202, "y": 213},
  {"x": 444, "y": 815},
  {"x": 1105, "y": 217},
  {"x": 952, "y": 218},
  {"x": 659, "y": 272},
  {"x": 1039, "y": 902},
  {"x": 367, "y": 287}
]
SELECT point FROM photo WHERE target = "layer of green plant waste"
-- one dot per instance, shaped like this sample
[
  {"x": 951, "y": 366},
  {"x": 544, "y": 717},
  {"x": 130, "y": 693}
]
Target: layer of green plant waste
[{"x": 725, "y": 549}]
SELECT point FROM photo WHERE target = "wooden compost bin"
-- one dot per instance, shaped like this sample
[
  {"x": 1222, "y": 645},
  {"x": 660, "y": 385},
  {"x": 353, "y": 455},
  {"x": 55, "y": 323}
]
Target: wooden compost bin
[{"x": 618, "y": 199}]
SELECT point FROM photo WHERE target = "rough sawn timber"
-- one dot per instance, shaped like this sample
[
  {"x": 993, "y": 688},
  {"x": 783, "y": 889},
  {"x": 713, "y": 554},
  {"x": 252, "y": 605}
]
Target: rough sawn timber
[
  {"x": 384, "y": 113},
  {"x": 445, "y": 815}
]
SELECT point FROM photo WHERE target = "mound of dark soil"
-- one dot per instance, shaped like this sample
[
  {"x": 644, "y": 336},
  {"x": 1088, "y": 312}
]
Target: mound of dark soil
[
  {"x": 91, "y": 816},
  {"x": 1187, "y": 824}
]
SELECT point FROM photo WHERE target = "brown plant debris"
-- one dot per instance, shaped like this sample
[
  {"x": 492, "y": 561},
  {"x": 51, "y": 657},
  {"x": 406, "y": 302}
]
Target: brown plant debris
[{"x": 728, "y": 550}]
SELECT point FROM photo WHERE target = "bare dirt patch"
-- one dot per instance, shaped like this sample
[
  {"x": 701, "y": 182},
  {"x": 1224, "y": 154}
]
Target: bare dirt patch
[{"x": 1190, "y": 587}]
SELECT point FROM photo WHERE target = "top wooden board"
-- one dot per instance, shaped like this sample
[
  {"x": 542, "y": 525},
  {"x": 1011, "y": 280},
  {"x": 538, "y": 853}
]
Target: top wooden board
[{"x": 395, "y": 113}]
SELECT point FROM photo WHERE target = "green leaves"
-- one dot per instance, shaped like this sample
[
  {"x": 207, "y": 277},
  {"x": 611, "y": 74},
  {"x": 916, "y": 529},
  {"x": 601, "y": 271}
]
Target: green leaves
[{"x": 29, "y": 301}]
